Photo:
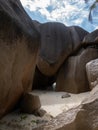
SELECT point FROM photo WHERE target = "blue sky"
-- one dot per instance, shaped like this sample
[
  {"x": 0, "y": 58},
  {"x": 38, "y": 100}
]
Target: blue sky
[{"x": 69, "y": 12}]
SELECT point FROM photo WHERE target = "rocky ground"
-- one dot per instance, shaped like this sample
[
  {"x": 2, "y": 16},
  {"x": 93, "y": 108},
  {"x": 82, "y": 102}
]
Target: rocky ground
[{"x": 52, "y": 105}]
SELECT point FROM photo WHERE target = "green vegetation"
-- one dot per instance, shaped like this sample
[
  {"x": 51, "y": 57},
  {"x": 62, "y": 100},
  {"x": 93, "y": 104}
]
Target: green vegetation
[{"x": 23, "y": 117}]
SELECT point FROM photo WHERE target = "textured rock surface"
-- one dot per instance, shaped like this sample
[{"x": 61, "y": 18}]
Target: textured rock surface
[
  {"x": 22, "y": 121},
  {"x": 91, "y": 37},
  {"x": 72, "y": 76},
  {"x": 52, "y": 104},
  {"x": 41, "y": 81},
  {"x": 30, "y": 103},
  {"x": 83, "y": 117},
  {"x": 92, "y": 72},
  {"x": 19, "y": 42},
  {"x": 57, "y": 43},
  {"x": 55, "y": 40}
]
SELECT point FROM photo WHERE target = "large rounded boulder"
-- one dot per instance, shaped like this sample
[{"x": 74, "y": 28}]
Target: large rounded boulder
[
  {"x": 19, "y": 43},
  {"x": 57, "y": 43},
  {"x": 72, "y": 76},
  {"x": 92, "y": 73},
  {"x": 55, "y": 47}
]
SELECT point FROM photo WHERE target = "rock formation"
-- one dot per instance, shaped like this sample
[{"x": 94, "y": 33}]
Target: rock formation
[
  {"x": 91, "y": 67},
  {"x": 63, "y": 57},
  {"x": 92, "y": 73},
  {"x": 57, "y": 43},
  {"x": 91, "y": 37},
  {"x": 72, "y": 76},
  {"x": 19, "y": 43},
  {"x": 30, "y": 103},
  {"x": 83, "y": 117}
]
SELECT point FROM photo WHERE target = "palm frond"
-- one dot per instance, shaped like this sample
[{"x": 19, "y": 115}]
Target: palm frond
[
  {"x": 90, "y": 16},
  {"x": 93, "y": 6}
]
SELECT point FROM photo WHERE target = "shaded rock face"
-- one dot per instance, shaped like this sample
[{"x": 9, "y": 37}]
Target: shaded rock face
[
  {"x": 57, "y": 43},
  {"x": 43, "y": 82},
  {"x": 19, "y": 43},
  {"x": 77, "y": 35},
  {"x": 83, "y": 117},
  {"x": 92, "y": 72},
  {"x": 72, "y": 76},
  {"x": 91, "y": 37},
  {"x": 30, "y": 103},
  {"x": 55, "y": 46},
  {"x": 91, "y": 67}
]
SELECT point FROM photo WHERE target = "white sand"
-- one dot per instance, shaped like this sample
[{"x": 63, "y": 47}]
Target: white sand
[{"x": 54, "y": 104}]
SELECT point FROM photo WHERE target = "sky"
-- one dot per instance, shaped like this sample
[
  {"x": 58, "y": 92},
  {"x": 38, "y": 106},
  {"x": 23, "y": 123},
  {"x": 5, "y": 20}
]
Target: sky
[{"x": 69, "y": 12}]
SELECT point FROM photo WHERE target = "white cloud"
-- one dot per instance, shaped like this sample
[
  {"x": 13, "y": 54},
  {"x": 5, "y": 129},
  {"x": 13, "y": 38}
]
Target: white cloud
[
  {"x": 34, "y": 4},
  {"x": 68, "y": 12}
]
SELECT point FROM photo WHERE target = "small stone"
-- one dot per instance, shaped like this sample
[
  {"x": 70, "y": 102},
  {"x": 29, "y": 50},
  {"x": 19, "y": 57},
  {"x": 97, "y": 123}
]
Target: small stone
[
  {"x": 66, "y": 95},
  {"x": 40, "y": 112}
]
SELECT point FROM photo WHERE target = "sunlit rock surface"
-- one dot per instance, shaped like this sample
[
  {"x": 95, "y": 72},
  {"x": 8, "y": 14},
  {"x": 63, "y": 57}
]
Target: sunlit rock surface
[
  {"x": 72, "y": 76},
  {"x": 92, "y": 72},
  {"x": 19, "y": 43},
  {"x": 83, "y": 117}
]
